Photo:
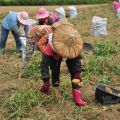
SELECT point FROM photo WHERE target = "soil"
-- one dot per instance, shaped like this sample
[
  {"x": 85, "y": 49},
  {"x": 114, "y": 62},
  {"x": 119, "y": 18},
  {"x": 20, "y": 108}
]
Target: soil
[
  {"x": 10, "y": 68},
  {"x": 10, "y": 65}
]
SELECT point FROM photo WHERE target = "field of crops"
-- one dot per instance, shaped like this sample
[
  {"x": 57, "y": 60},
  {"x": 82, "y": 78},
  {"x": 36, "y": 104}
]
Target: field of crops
[{"x": 21, "y": 99}]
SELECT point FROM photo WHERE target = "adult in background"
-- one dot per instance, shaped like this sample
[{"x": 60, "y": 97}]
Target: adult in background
[
  {"x": 48, "y": 18},
  {"x": 16, "y": 22},
  {"x": 116, "y": 5}
]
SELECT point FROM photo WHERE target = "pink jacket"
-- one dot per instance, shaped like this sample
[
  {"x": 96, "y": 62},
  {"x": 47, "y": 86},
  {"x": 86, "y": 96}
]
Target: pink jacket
[
  {"x": 116, "y": 5},
  {"x": 47, "y": 49}
]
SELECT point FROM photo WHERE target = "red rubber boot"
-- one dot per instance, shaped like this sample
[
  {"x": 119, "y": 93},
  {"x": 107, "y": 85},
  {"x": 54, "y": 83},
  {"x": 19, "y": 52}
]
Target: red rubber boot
[
  {"x": 77, "y": 98},
  {"x": 46, "y": 88}
]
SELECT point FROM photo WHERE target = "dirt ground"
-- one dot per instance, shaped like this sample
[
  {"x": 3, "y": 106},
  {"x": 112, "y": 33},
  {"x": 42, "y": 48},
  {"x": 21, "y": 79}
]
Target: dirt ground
[{"x": 10, "y": 67}]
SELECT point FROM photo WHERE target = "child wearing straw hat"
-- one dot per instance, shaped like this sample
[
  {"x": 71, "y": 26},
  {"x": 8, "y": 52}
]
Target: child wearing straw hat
[
  {"x": 52, "y": 57},
  {"x": 16, "y": 22},
  {"x": 45, "y": 37},
  {"x": 65, "y": 41}
]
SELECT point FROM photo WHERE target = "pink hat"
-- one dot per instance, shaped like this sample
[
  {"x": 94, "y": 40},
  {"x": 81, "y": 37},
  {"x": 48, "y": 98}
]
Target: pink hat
[
  {"x": 23, "y": 17},
  {"x": 42, "y": 13}
]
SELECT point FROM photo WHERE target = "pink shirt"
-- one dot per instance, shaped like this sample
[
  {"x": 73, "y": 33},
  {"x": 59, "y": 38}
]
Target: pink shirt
[
  {"x": 116, "y": 5},
  {"x": 49, "y": 51}
]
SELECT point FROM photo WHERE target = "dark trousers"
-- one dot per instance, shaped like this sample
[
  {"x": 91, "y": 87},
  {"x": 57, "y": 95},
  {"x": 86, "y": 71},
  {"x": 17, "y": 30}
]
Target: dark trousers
[
  {"x": 74, "y": 66},
  {"x": 4, "y": 36},
  {"x": 49, "y": 63}
]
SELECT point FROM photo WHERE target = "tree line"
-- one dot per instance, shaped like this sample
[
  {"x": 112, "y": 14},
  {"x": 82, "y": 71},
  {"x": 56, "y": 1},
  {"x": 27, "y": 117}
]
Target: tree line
[{"x": 51, "y": 2}]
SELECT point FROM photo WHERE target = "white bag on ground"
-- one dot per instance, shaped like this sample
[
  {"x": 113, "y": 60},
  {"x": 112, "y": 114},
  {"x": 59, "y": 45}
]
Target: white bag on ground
[
  {"x": 99, "y": 26},
  {"x": 72, "y": 12}
]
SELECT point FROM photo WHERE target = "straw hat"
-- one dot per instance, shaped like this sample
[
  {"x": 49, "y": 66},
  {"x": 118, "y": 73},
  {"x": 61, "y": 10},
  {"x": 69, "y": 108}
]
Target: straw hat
[
  {"x": 67, "y": 41},
  {"x": 23, "y": 17},
  {"x": 62, "y": 21},
  {"x": 42, "y": 13}
]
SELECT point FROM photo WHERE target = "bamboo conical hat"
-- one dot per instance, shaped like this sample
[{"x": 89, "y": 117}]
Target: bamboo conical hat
[
  {"x": 62, "y": 21},
  {"x": 67, "y": 41}
]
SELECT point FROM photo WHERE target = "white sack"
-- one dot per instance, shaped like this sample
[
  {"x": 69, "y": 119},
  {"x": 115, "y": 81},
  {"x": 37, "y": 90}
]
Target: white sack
[
  {"x": 99, "y": 26},
  {"x": 72, "y": 12}
]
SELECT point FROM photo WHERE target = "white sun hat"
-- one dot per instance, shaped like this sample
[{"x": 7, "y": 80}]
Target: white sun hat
[{"x": 61, "y": 11}]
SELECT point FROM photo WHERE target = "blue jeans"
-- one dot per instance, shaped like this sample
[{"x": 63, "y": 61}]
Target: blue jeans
[{"x": 4, "y": 36}]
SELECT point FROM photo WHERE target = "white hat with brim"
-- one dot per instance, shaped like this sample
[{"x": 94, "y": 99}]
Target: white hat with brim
[{"x": 23, "y": 18}]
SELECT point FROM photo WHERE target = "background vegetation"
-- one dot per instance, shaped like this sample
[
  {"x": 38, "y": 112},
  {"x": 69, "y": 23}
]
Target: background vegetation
[{"x": 51, "y": 2}]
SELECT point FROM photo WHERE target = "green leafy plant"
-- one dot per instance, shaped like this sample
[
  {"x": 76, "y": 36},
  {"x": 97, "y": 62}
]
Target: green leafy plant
[
  {"x": 116, "y": 69},
  {"x": 105, "y": 79},
  {"x": 32, "y": 70},
  {"x": 96, "y": 65},
  {"x": 105, "y": 48},
  {"x": 22, "y": 101},
  {"x": 86, "y": 74}
]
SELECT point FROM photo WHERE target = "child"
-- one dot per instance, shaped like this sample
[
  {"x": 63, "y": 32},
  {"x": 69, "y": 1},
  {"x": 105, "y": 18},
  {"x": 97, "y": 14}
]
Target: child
[
  {"x": 50, "y": 59},
  {"x": 53, "y": 60}
]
